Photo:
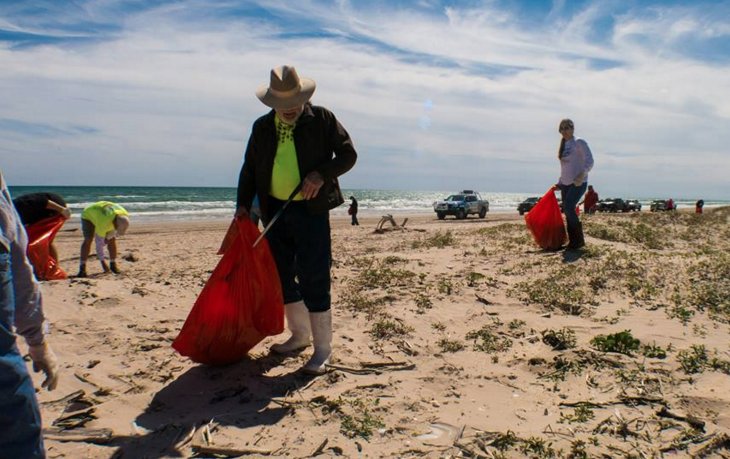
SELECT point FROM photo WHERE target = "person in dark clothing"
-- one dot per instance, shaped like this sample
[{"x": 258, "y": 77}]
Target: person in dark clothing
[
  {"x": 298, "y": 144},
  {"x": 352, "y": 210},
  {"x": 699, "y": 205},
  {"x": 34, "y": 207}
]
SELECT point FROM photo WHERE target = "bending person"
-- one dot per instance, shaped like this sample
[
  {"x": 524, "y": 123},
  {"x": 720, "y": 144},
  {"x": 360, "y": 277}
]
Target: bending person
[
  {"x": 20, "y": 309},
  {"x": 105, "y": 220},
  {"x": 34, "y": 207}
]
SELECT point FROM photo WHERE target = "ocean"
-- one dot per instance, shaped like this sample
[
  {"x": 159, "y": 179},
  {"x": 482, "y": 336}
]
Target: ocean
[{"x": 189, "y": 203}]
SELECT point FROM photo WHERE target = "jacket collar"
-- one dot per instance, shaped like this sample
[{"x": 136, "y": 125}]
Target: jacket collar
[{"x": 306, "y": 116}]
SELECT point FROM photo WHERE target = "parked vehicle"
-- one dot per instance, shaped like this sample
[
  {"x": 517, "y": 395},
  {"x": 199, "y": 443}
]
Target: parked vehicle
[
  {"x": 633, "y": 205},
  {"x": 527, "y": 205},
  {"x": 612, "y": 205},
  {"x": 461, "y": 205},
  {"x": 660, "y": 205}
]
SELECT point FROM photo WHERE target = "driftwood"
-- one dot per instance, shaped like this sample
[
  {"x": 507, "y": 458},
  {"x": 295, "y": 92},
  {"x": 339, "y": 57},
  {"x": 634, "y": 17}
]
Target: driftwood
[
  {"x": 79, "y": 435},
  {"x": 689, "y": 419},
  {"x": 72, "y": 397},
  {"x": 621, "y": 401},
  {"x": 320, "y": 448},
  {"x": 230, "y": 451},
  {"x": 381, "y": 228}
]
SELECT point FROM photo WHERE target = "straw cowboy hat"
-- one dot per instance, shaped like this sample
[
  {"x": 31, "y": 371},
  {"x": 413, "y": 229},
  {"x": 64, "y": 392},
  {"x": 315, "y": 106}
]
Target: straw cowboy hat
[{"x": 286, "y": 89}]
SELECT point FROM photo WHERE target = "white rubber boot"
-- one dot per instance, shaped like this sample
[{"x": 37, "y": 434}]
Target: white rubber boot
[
  {"x": 297, "y": 320},
  {"x": 322, "y": 337}
]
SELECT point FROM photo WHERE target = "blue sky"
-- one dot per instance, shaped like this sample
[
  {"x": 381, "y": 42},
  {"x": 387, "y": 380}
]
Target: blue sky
[{"x": 437, "y": 95}]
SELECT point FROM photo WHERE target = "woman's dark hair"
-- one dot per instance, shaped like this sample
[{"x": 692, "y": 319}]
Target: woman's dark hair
[{"x": 563, "y": 122}]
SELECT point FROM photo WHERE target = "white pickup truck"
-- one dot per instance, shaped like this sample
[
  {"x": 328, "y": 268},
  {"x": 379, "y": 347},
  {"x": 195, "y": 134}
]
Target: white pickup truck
[{"x": 462, "y": 204}]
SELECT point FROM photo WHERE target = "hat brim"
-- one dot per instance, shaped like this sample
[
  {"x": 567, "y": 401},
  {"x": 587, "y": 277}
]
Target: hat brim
[{"x": 271, "y": 100}]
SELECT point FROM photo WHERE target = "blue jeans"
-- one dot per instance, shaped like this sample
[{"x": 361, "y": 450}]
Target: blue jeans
[
  {"x": 20, "y": 418},
  {"x": 302, "y": 249},
  {"x": 571, "y": 194}
]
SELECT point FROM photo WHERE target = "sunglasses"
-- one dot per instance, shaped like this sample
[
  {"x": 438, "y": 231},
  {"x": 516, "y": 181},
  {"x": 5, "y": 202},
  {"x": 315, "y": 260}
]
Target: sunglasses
[{"x": 566, "y": 127}]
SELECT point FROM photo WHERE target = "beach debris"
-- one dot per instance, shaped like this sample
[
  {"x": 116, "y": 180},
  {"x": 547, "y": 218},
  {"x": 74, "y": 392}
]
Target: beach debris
[
  {"x": 74, "y": 419},
  {"x": 442, "y": 430},
  {"x": 484, "y": 300},
  {"x": 320, "y": 448},
  {"x": 693, "y": 421},
  {"x": 380, "y": 228},
  {"x": 78, "y": 435},
  {"x": 73, "y": 396}
]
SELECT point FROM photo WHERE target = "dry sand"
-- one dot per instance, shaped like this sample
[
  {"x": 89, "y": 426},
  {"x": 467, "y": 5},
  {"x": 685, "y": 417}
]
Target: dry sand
[{"x": 444, "y": 336}]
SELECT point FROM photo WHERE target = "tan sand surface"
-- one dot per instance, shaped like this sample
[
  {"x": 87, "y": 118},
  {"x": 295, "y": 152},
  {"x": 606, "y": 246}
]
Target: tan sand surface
[{"x": 444, "y": 346}]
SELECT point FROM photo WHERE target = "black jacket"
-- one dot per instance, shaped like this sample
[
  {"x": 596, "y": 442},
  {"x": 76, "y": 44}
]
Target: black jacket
[{"x": 322, "y": 145}]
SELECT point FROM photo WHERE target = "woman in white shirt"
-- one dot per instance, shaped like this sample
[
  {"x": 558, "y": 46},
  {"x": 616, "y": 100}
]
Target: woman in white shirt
[{"x": 576, "y": 161}]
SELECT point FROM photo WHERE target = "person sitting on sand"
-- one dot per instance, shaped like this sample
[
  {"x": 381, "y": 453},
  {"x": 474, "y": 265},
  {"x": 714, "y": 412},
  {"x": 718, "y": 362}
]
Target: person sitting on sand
[
  {"x": 106, "y": 220},
  {"x": 34, "y": 207}
]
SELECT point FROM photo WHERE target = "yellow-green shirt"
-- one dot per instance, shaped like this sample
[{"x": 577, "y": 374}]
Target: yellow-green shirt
[
  {"x": 285, "y": 175},
  {"x": 102, "y": 215}
]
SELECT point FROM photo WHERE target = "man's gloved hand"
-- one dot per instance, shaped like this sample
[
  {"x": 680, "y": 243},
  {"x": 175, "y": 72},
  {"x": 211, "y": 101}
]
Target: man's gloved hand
[
  {"x": 66, "y": 213},
  {"x": 46, "y": 361},
  {"x": 110, "y": 235}
]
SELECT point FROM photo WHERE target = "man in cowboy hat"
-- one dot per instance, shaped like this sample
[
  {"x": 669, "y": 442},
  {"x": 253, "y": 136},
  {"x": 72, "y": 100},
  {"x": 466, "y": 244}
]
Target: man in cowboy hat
[{"x": 298, "y": 143}]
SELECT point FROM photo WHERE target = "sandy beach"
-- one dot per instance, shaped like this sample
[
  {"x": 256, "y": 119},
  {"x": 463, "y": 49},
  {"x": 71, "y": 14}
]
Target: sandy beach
[{"x": 451, "y": 339}]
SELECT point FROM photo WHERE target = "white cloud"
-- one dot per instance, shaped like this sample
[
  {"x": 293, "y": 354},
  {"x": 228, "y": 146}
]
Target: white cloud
[{"x": 171, "y": 95}]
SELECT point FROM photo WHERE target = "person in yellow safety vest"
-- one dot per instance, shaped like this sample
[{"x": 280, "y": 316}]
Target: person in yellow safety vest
[{"x": 107, "y": 220}]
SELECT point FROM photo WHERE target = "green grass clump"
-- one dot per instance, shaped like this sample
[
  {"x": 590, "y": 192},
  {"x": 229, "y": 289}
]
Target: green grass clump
[
  {"x": 438, "y": 240},
  {"x": 486, "y": 340},
  {"x": 449, "y": 345},
  {"x": 552, "y": 292},
  {"x": 693, "y": 360},
  {"x": 653, "y": 351},
  {"x": 622, "y": 342},
  {"x": 388, "y": 329}
]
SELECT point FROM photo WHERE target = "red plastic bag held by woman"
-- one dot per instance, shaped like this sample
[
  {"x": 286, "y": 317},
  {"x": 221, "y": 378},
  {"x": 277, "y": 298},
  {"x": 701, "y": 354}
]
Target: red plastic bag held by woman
[
  {"x": 239, "y": 306},
  {"x": 546, "y": 223},
  {"x": 40, "y": 237}
]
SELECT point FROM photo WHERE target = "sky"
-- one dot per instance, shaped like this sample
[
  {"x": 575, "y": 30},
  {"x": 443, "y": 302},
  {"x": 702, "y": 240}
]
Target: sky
[{"x": 437, "y": 95}]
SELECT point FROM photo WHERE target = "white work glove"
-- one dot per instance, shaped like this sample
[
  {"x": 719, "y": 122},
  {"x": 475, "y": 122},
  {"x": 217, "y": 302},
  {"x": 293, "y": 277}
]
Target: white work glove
[
  {"x": 66, "y": 212},
  {"x": 46, "y": 361},
  {"x": 111, "y": 235},
  {"x": 580, "y": 179}
]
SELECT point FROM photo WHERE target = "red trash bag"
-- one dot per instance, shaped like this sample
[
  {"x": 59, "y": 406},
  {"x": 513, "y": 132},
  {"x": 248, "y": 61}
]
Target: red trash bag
[
  {"x": 239, "y": 306},
  {"x": 40, "y": 237},
  {"x": 546, "y": 223}
]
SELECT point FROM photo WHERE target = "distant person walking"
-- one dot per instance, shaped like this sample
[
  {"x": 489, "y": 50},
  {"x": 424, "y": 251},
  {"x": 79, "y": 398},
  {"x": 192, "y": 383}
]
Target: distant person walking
[
  {"x": 352, "y": 210},
  {"x": 699, "y": 205},
  {"x": 590, "y": 201},
  {"x": 106, "y": 220},
  {"x": 576, "y": 160},
  {"x": 34, "y": 207},
  {"x": 298, "y": 143},
  {"x": 21, "y": 312}
]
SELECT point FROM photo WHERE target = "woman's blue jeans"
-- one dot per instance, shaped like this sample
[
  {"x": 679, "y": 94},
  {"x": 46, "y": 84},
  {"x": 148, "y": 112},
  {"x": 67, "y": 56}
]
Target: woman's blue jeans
[
  {"x": 301, "y": 246},
  {"x": 20, "y": 418},
  {"x": 571, "y": 194}
]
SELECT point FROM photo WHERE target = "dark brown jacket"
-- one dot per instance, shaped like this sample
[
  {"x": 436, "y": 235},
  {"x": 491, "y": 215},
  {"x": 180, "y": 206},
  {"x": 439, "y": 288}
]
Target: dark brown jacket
[{"x": 322, "y": 145}]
